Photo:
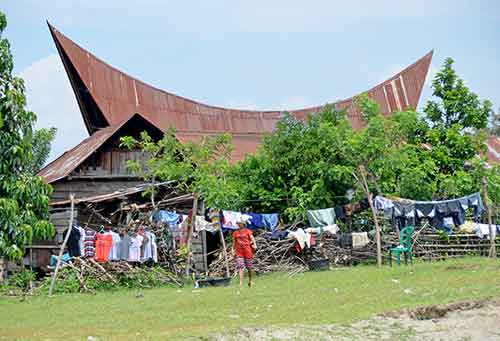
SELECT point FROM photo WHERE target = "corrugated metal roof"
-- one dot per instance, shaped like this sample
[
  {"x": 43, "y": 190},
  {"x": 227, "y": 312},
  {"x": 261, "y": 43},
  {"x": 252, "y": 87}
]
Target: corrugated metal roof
[
  {"x": 493, "y": 153},
  {"x": 107, "y": 96},
  {"x": 110, "y": 196},
  {"x": 119, "y": 95}
]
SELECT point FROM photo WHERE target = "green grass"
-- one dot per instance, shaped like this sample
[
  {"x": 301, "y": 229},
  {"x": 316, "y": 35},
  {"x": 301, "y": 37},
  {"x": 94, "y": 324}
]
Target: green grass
[{"x": 338, "y": 296}]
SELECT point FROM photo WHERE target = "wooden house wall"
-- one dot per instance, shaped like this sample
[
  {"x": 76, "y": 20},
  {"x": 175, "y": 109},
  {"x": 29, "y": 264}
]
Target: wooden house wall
[{"x": 82, "y": 188}]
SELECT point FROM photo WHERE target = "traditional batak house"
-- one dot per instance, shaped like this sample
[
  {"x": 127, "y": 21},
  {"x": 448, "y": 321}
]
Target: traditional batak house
[{"x": 114, "y": 104}]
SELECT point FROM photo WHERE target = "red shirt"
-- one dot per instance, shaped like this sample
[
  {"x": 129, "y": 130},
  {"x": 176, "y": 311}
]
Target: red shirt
[
  {"x": 103, "y": 244},
  {"x": 243, "y": 243}
]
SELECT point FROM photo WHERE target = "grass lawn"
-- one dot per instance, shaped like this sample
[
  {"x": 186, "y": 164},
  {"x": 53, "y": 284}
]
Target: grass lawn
[{"x": 337, "y": 296}]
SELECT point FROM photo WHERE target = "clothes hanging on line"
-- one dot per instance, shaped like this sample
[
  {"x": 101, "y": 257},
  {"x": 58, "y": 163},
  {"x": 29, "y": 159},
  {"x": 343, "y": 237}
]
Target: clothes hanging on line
[
  {"x": 135, "y": 248},
  {"x": 270, "y": 221},
  {"x": 89, "y": 243},
  {"x": 114, "y": 252},
  {"x": 203, "y": 225},
  {"x": 166, "y": 217},
  {"x": 320, "y": 218},
  {"x": 256, "y": 221},
  {"x": 339, "y": 212},
  {"x": 408, "y": 212},
  {"x": 65, "y": 258},
  {"x": 103, "y": 245},
  {"x": 81, "y": 241},
  {"x": 359, "y": 239},
  {"x": 124, "y": 247},
  {"x": 149, "y": 248},
  {"x": 332, "y": 229},
  {"x": 483, "y": 230},
  {"x": 302, "y": 237},
  {"x": 232, "y": 217},
  {"x": 267, "y": 221},
  {"x": 73, "y": 242},
  {"x": 277, "y": 235}
]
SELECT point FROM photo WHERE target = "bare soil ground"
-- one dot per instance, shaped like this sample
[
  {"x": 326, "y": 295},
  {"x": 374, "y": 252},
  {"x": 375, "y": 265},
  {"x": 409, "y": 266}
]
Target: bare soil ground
[{"x": 469, "y": 320}]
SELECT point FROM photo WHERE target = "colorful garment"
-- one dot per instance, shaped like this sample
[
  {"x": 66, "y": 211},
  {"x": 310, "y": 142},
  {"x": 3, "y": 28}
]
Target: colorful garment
[
  {"x": 242, "y": 263},
  {"x": 242, "y": 239},
  {"x": 231, "y": 218},
  {"x": 89, "y": 243},
  {"x": 134, "y": 254},
  {"x": 114, "y": 251},
  {"x": 103, "y": 244}
]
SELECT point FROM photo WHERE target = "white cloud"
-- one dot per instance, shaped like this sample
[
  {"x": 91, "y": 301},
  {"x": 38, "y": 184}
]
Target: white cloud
[{"x": 50, "y": 96}]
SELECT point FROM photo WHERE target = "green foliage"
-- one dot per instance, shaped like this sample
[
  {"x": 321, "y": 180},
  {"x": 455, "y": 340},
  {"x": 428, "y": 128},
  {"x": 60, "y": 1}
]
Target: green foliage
[
  {"x": 68, "y": 282},
  {"x": 312, "y": 163},
  {"x": 302, "y": 165},
  {"x": 201, "y": 168},
  {"x": 458, "y": 105},
  {"x": 308, "y": 164},
  {"x": 24, "y": 198},
  {"x": 22, "y": 279},
  {"x": 42, "y": 139}
]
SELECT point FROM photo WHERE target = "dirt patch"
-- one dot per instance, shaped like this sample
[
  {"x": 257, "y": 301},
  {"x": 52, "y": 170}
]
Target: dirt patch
[
  {"x": 468, "y": 320},
  {"x": 440, "y": 310}
]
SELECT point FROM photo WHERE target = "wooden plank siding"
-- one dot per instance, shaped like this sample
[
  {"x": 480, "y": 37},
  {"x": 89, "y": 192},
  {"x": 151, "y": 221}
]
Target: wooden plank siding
[{"x": 90, "y": 187}]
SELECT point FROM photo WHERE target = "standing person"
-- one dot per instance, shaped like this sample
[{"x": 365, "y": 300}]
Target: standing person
[{"x": 244, "y": 246}]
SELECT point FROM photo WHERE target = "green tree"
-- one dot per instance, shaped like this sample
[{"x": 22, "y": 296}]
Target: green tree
[
  {"x": 198, "y": 167},
  {"x": 42, "y": 139},
  {"x": 24, "y": 198},
  {"x": 301, "y": 165},
  {"x": 458, "y": 105},
  {"x": 455, "y": 118}
]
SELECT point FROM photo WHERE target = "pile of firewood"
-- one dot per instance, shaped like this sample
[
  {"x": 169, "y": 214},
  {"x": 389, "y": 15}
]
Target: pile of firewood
[
  {"x": 113, "y": 274},
  {"x": 282, "y": 255},
  {"x": 270, "y": 256}
]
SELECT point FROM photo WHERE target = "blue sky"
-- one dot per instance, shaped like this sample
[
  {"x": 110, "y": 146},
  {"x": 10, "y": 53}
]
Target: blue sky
[{"x": 250, "y": 54}]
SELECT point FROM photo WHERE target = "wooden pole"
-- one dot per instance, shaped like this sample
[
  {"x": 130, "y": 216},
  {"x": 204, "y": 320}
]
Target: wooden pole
[
  {"x": 493, "y": 249},
  {"x": 54, "y": 276},
  {"x": 190, "y": 232},
  {"x": 224, "y": 250},
  {"x": 369, "y": 195}
]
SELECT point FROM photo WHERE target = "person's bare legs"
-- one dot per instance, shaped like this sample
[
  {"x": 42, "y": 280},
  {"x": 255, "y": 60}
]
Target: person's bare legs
[
  {"x": 250, "y": 278},
  {"x": 242, "y": 275}
]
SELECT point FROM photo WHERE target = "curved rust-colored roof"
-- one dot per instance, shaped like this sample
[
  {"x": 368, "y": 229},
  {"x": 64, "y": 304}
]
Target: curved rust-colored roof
[
  {"x": 65, "y": 164},
  {"x": 107, "y": 96}
]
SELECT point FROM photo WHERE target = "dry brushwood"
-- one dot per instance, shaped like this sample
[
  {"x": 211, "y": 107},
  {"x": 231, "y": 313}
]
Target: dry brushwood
[
  {"x": 114, "y": 272},
  {"x": 282, "y": 255}
]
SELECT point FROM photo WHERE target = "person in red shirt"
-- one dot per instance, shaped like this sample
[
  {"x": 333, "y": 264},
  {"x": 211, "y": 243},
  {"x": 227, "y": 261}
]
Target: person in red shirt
[{"x": 244, "y": 246}]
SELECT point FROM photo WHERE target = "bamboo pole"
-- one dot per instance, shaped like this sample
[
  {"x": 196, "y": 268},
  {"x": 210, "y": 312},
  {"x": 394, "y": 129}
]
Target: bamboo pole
[
  {"x": 369, "y": 195},
  {"x": 72, "y": 200},
  {"x": 493, "y": 250},
  {"x": 224, "y": 250},
  {"x": 190, "y": 232}
]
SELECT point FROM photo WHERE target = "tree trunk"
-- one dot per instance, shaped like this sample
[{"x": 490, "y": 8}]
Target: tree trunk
[
  {"x": 190, "y": 232},
  {"x": 493, "y": 249},
  {"x": 53, "y": 282},
  {"x": 369, "y": 195},
  {"x": 3, "y": 267},
  {"x": 224, "y": 250}
]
